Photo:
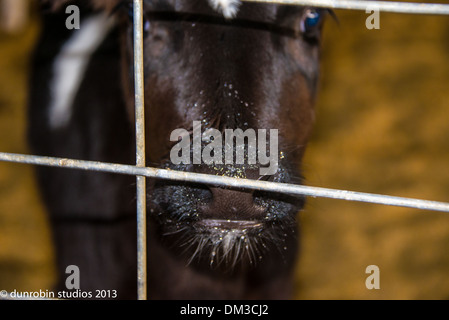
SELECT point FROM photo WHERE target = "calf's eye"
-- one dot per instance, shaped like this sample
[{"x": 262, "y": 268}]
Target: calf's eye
[{"x": 311, "y": 23}]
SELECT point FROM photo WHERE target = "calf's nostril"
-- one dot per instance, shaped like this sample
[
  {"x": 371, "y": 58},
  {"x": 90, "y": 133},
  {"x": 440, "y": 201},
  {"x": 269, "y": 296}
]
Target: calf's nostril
[
  {"x": 204, "y": 195},
  {"x": 231, "y": 204}
]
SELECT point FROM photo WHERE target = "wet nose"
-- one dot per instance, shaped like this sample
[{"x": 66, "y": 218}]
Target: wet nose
[{"x": 231, "y": 204}]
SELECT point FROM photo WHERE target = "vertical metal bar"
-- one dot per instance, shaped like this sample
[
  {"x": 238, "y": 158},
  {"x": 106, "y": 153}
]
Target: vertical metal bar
[{"x": 140, "y": 151}]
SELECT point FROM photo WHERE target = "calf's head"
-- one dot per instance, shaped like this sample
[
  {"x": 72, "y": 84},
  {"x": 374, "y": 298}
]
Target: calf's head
[
  {"x": 224, "y": 65},
  {"x": 256, "y": 70}
]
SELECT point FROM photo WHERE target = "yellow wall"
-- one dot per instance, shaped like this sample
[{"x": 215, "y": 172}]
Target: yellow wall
[
  {"x": 26, "y": 256},
  {"x": 382, "y": 127}
]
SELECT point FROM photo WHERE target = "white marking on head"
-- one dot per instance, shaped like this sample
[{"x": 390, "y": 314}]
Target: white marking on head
[
  {"x": 229, "y": 8},
  {"x": 70, "y": 66}
]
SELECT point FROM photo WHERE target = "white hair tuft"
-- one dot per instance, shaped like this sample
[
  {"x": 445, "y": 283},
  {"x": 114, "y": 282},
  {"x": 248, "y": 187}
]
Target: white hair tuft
[{"x": 229, "y": 8}]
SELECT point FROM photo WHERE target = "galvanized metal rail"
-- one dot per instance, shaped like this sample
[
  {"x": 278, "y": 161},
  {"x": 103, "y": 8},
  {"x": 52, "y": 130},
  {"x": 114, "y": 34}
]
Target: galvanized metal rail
[
  {"x": 384, "y": 6},
  {"x": 228, "y": 181},
  {"x": 140, "y": 151}
]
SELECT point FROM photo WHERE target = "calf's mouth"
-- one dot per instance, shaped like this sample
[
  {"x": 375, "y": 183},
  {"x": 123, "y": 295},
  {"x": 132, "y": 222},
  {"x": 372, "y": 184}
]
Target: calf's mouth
[{"x": 218, "y": 234}]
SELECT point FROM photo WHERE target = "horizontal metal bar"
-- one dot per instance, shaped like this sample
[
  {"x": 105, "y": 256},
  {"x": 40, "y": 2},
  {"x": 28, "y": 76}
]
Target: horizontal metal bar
[
  {"x": 227, "y": 181},
  {"x": 384, "y": 6}
]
